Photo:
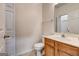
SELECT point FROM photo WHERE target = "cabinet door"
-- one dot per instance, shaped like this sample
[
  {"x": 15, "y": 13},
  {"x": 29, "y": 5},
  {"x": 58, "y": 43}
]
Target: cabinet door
[
  {"x": 49, "y": 51},
  {"x": 62, "y": 53},
  {"x": 68, "y": 49}
]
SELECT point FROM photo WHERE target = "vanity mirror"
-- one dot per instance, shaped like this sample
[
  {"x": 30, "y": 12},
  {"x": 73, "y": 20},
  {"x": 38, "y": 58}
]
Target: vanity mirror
[{"x": 67, "y": 18}]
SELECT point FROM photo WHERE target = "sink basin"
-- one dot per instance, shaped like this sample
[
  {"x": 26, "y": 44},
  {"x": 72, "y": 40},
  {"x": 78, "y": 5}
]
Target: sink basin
[
  {"x": 72, "y": 38},
  {"x": 57, "y": 35}
]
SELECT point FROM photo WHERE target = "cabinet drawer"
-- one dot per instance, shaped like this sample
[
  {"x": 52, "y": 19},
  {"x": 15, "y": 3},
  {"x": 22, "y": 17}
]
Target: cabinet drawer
[
  {"x": 68, "y": 49},
  {"x": 49, "y": 41}
]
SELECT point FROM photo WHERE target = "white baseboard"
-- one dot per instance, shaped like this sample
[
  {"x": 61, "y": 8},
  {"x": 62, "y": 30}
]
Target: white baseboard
[{"x": 23, "y": 52}]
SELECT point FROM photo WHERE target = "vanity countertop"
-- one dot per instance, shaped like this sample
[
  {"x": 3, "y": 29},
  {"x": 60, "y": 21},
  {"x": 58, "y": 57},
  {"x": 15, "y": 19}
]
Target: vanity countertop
[{"x": 73, "y": 42}]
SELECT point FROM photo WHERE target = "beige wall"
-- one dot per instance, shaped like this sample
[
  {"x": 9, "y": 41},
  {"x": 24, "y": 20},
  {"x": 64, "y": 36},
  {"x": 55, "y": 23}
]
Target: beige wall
[
  {"x": 72, "y": 10},
  {"x": 2, "y": 28},
  {"x": 28, "y": 26},
  {"x": 2, "y": 17},
  {"x": 48, "y": 15}
]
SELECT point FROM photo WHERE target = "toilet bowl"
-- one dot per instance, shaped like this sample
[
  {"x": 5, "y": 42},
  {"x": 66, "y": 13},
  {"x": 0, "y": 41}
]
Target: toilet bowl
[{"x": 38, "y": 48}]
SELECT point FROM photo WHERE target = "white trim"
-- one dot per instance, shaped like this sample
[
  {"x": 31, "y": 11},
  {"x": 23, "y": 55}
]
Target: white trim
[{"x": 23, "y": 52}]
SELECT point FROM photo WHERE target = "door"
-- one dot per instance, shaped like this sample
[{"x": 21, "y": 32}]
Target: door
[{"x": 10, "y": 29}]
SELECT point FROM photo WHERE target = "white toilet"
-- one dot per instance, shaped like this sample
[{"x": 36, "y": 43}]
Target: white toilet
[{"x": 38, "y": 47}]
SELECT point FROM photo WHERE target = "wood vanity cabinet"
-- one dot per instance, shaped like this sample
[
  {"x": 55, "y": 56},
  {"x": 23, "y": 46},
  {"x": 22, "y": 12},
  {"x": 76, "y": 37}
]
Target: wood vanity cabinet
[
  {"x": 55, "y": 48},
  {"x": 49, "y": 48}
]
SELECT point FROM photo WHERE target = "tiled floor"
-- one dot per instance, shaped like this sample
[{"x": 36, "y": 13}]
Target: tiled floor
[{"x": 32, "y": 53}]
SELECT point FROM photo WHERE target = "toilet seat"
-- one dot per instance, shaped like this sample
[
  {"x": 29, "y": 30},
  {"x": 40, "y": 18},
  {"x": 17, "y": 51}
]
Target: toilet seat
[{"x": 39, "y": 45}]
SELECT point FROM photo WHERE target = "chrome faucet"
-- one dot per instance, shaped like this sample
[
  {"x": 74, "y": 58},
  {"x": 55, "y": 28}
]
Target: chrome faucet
[{"x": 63, "y": 35}]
